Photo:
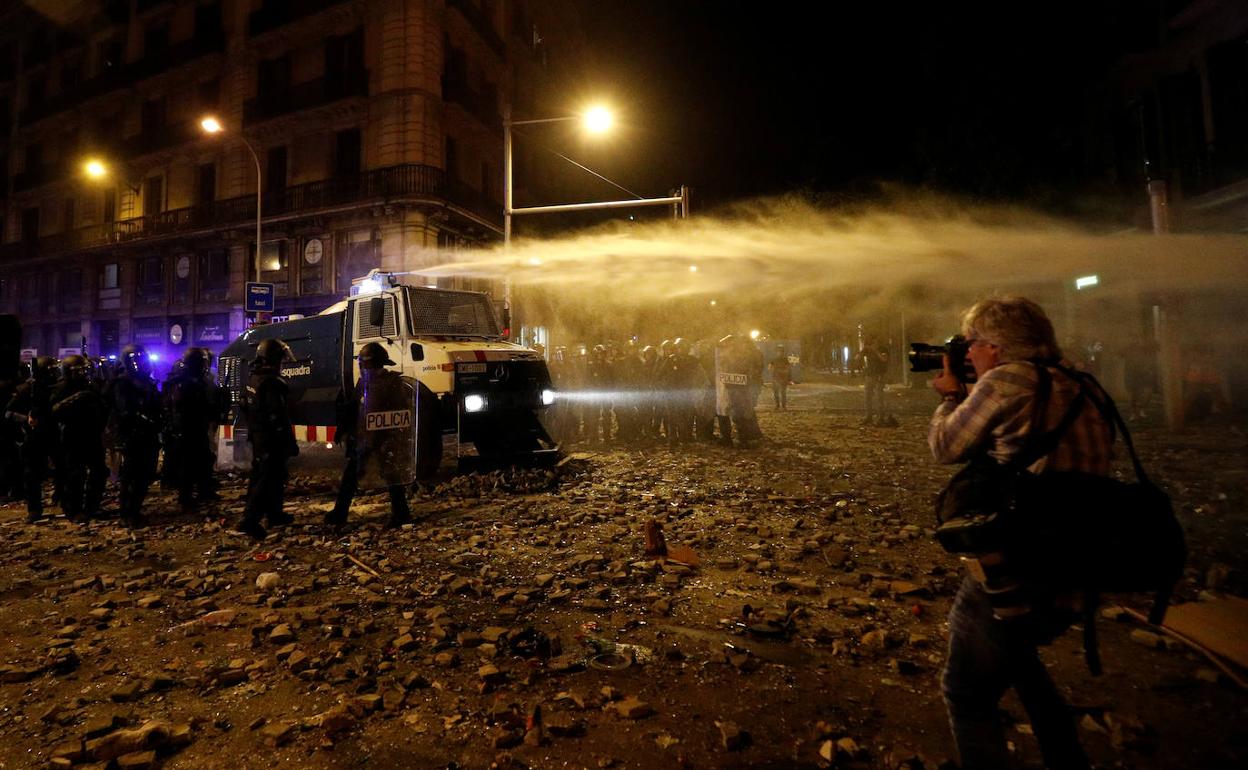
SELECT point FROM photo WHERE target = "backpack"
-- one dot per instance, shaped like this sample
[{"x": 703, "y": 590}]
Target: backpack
[{"x": 1068, "y": 531}]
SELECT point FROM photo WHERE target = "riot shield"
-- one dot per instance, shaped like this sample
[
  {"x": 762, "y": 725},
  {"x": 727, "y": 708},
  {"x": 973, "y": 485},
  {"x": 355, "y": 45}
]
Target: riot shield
[{"x": 386, "y": 430}]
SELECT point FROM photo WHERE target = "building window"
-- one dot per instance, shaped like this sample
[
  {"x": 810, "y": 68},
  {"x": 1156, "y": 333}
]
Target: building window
[
  {"x": 311, "y": 267},
  {"x": 275, "y": 169},
  {"x": 30, "y": 299},
  {"x": 67, "y": 216},
  {"x": 36, "y": 89},
  {"x": 214, "y": 275},
  {"x": 207, "y": 188},
  {"x": 70, "y": 286},
  {"x": 153, "y": 116},
  {"x": 150, "y": 286},
  {"x": 273, "y": 81},
  {"x": 30, "y": 224},
  {"x": 452, "y": 159},
  {"x": 275, "y": 267},
  {"x": 108, "y": 56},
  {"x": 156, "y": 41},
  {"x": 71, "y": 76},
  {"x": 347, "y": 152},
  {"x": 153, "y": 195},
  {"x": 110, "y": 205},
  {"x": 208, "y": 95},
  {"x": 110, "y": 276}
]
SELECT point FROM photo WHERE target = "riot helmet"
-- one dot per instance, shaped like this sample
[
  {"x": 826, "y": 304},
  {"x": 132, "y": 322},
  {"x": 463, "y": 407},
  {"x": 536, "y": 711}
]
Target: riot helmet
[
  {"x": 134, "y": 360},
  {"x": 75, "y": 367},
  {"x": 195, "y": 361},
  {"x": 43, "y": 369},
  {"x": 272, "y": 352},
  {"x": 374, "y": 356}
]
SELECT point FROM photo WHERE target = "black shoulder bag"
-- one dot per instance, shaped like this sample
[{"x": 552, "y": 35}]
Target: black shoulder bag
[{"x": 1069, "y": 531}]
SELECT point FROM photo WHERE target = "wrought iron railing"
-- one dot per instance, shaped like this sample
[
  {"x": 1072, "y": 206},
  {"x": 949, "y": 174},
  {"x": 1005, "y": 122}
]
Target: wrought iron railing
[{"x": 393, "y": 182}]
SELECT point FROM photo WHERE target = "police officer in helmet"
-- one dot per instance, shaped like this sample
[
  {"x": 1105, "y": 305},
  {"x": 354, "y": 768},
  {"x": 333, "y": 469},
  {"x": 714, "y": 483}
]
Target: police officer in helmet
[
  {"x": 376, "y": 378},
  {"x": 30, "y": 408},
  {"x": 79, "y": 412},
  {"x": 272, "y": 439},
  {"x": 191, "y": 411},
  {"x": 136, "y": 413}
]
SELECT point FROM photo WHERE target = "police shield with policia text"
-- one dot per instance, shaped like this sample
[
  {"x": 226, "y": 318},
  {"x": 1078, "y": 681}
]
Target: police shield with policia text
[{"x": 379, "y": 423}]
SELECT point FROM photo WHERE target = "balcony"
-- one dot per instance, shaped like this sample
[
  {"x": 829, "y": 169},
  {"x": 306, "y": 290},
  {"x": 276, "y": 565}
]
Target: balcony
[
  {"x": 480, "y": 22},
  {"x": 119, "y": 77},
  {"x": 305, "y": 96},
  {"x": 381, "y": 185},
  {"x": 279, "y": 13}
]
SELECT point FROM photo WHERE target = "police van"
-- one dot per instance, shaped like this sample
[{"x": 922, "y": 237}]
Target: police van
[{"x": 474, "y": 391}]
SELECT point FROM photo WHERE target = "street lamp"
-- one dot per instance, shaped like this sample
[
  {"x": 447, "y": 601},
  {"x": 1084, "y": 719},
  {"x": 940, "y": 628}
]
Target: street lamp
[
  {"x": 211, "y": 126},
  {"x": 596, "y": 120},
  {"x": 97, "y": 170}
]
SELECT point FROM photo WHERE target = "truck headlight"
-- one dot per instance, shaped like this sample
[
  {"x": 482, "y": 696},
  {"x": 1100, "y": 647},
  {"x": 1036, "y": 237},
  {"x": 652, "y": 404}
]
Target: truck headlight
[
  {"x": 474, "y": 403},
  {"x": 548, "y": 397}
]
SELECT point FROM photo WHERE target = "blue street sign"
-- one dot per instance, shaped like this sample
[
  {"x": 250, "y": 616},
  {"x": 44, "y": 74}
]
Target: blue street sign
[{"x": 259, "y": 297}]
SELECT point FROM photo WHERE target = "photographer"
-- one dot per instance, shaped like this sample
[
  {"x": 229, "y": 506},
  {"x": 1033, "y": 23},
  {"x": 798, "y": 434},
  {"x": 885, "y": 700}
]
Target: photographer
[{"x": 1011, "y": 348}]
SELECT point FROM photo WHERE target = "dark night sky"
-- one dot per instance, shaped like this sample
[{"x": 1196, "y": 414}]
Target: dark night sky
[{"x": 740, "y": 99}]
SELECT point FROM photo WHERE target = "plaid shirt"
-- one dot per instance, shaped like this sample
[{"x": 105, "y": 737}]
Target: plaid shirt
[{"x": 996, "y": 416}]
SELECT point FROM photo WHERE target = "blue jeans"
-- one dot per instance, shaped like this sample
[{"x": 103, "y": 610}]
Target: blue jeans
[{"x": 987, "y": 657}]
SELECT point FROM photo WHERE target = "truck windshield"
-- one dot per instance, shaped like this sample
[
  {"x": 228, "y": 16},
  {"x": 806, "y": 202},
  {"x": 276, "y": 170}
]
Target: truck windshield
[{"x": 451, "y": 313}]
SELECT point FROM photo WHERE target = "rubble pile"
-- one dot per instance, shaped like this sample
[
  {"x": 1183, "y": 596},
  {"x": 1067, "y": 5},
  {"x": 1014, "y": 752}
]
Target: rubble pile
[{"x": 792, "y": 617}]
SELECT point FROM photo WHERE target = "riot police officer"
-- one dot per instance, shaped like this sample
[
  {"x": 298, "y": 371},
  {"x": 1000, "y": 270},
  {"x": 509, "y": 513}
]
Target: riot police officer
[
  {"x": 386, "y": 452},
  {"x": 80, "y": 413},
  {"x": 31, "y": 408},
  {"x": 10, "y": 442},
  {"x": 191, "y": 412},
  {"x": 272, "y": 439},
  {"x": 136, "y": 424}
]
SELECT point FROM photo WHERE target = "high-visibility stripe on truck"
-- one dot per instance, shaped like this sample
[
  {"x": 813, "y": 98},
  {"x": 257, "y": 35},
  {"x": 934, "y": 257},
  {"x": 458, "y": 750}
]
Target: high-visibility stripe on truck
[{"x": 302, "y": 432}]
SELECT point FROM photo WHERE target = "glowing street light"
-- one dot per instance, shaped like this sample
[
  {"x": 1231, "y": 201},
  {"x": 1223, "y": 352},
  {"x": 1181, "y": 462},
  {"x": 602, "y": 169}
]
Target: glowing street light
[
  {"x": 95, "y": 169},
  {"x": 754, "y": 334},
  {"x": 598, "y": 120},
  {"x": 212, "y": 126}
]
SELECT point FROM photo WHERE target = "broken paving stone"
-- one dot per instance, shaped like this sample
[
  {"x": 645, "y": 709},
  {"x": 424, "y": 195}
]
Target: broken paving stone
[
  {"x": 126, "y": 692},
  {"x": 138, "y": 760},
  {"x": 632, "y": 708},
  {"x": 298, "y": 661},
  {"x": 335, "y": 720},
  {"x": 149, "y": 602},
  {"x": 447, "y": 658},
  {"x": 281, "y": 634},
  {"x": 97, "y": 726},
  {"x": 405, "y": 643},
  {"x": 731, "y": 736},
  {"x": 392, "y": 699},
  {"x": 279, "y": 733},
  {"x": 1147, "y": 638},
  {"x": 267, "y": 581},
  {"x": 493, "y": 634},
  {"x": 14, "y": 674}
]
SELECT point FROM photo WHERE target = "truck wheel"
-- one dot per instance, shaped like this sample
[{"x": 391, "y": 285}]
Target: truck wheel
[{"x": 428, "y": 434}]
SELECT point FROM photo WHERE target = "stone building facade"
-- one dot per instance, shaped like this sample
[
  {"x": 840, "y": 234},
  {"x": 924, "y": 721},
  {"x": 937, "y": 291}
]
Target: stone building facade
[{"x": 376, "y": 129}]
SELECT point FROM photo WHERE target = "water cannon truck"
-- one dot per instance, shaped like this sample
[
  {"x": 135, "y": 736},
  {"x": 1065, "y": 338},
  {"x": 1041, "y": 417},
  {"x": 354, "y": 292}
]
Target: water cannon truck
[{"x": 473, "y": 389}]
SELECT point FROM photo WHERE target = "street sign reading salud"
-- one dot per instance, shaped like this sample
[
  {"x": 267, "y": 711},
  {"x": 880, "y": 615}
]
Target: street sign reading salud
[{"x": 259, "y": 297}]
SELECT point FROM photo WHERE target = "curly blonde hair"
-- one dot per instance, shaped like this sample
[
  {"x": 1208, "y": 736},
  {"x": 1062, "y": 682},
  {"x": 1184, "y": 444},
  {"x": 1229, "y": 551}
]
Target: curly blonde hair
[{"x": 1018, "y": 326}]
